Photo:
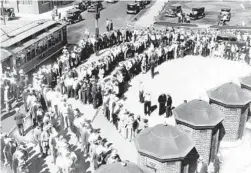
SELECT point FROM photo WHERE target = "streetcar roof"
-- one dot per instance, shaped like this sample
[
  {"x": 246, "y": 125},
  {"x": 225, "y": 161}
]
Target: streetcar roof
[
  {"x": 21, "y": 33},
  {"x": 5, "y": 54},
  {"x": 36, "y": 39}
]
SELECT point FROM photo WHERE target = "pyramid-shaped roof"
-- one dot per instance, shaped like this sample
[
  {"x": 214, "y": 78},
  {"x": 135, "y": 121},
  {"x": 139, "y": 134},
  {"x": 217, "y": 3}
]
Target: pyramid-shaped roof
[
  {"x": 229, "y": 94},
  {"x": 122, "y": 167},
  {"x": 246, "y": 81},
  {"x": 164, "y": 142},
  {"x": 198, "y": 113}
]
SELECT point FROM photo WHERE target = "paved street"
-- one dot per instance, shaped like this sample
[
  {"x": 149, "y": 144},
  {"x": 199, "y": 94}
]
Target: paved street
[
  {"x": 114, "y": 11},
  {"x": 191, "y": 82}
]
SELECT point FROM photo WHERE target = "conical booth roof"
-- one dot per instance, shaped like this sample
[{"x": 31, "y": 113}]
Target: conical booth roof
[
  {"x": 246, "y": 81},
  {"x": 122, "y": 167},
  {"x": 198, "y": 114},
  {"x": 230, "y": 95},
  {"x": 164, "y": 143}
]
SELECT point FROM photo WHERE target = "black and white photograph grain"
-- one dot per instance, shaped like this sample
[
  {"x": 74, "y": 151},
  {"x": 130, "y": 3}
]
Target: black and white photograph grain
[{"x": 125, "y": 86}]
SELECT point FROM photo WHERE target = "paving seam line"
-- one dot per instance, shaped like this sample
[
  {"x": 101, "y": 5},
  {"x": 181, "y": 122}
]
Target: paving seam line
[{"x": 142, "y": 11}]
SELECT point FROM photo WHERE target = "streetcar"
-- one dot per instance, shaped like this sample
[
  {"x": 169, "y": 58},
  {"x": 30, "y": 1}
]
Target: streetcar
[{"x": 27, "y": 47}]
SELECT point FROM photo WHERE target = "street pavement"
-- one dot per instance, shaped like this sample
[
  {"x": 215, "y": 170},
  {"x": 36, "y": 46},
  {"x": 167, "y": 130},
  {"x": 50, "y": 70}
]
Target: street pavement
[{"x": 112, "y": 11}]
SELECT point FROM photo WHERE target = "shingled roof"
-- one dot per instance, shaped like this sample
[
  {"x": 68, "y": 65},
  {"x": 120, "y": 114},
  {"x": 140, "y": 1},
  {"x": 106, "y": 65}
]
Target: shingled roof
[
  {"x": 198, "y": 114},
  {"x": 122, "y": 167},
  {"x": 164, "y": 143},
  {"x": 246, "y": 82},
  {"x": 229, "y": 95}
]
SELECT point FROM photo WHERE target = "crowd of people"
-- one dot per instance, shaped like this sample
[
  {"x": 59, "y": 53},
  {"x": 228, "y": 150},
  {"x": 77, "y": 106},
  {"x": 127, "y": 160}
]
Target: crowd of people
[{"x": 102, "y": 83}]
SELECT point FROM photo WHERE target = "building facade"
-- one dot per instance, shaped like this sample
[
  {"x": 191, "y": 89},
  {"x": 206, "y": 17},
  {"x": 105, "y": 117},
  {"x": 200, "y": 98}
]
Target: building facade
[
  {"x": 233, "y": 102},
  {"x": 246, "y": 86},
  {"x": 33, "y": 6},
  {"x": 203, "y": 123},
  {"x": 166, "y": 149}
]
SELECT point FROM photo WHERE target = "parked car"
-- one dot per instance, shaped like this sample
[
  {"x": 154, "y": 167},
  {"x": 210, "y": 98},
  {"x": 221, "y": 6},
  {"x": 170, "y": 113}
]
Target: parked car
[
  {"x": 132, "y": 8},
  {"x": 226, "y": 37},
  {"x": 73, "y": 15},
  {"x": 91, "y": 7},
  {"x": 141, "y": 3},
  {"x": 111, "y": 1},
  {"x": 225, "y": 14},
  {"x": 197, "y": 13},
  {"x": 80, "y": 4},
  {"x": 7, "y": 13},
  {"x": 173, "y": 10}
]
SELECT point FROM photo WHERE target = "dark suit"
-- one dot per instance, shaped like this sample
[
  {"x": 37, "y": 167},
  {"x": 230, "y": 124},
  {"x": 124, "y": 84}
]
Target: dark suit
[
  {"x": 162, "y": 103},
  {"x": 169, "y": 106}
]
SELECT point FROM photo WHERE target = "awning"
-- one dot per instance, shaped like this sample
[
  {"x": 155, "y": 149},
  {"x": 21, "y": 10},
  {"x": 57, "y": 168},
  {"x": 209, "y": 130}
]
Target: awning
[
  {"x": 198, "y": 113},
  {"x": 229, "y": 94},
  {"x": 164, "y": 143}
]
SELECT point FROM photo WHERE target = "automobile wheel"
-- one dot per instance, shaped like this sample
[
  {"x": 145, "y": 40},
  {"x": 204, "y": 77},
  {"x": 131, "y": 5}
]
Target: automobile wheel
[
  {"x": 13, "y": 15},
  {"x": 79, "y": 18},
  {"x": 7, "y": 18}
]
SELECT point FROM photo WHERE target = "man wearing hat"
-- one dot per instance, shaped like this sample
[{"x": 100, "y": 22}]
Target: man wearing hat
[
  {"x": 45, "y": 136},
  {"x": 113, "y": 157},
  {"x": 37, "y": 136},
  {"x": 169, "y": 106},
  {"x": 201, "y": 166},
  {"x": 19, "y": 118},
  {"x": 7, "y": 98},
  {"x": 9, "y": 148}
]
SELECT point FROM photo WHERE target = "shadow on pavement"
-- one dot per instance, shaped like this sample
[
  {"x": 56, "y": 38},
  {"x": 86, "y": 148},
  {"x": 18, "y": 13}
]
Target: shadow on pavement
[{"x": 7, "y": 115}]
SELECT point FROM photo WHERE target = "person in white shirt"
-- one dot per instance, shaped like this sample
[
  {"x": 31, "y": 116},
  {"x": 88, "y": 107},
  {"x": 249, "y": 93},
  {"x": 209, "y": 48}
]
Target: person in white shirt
[{"x": 66, "y": 116}]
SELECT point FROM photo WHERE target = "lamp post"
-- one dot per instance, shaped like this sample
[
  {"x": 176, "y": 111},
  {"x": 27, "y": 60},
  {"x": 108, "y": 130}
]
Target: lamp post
[
  {"x": 2, "y": 11},
  {"x": 97, "y": 16}
]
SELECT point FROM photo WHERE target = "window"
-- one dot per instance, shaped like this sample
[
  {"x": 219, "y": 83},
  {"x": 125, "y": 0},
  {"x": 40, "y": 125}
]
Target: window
[
  {"x": 21, "y": 59},
  {"x": 44, "y": 2},
  {"x": 25, "y": 2}
]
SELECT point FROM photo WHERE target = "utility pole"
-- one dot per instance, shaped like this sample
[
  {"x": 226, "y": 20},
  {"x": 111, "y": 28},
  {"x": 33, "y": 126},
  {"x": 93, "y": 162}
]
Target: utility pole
[
  {"x": 97, "y": 16},
  {"x": 2, "y": 11}
]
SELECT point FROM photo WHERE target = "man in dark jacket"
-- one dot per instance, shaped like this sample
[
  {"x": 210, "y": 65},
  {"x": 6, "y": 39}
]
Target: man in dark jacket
[
  {"x": 162, "y": 103},
  {"x": 169, "y": 106}
]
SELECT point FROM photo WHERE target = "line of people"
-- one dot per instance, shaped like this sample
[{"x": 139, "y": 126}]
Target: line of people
[{"x": 103, "y": 83}]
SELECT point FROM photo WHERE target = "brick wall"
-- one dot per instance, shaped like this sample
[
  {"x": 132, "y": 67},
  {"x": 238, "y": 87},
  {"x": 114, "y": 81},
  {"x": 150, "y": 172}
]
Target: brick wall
[
  {"x": 231, "y": 122},
  {"x": 203, "y": 140},
  {"x": 249, "y": 112},
  {"x": 158, "y": 167}
]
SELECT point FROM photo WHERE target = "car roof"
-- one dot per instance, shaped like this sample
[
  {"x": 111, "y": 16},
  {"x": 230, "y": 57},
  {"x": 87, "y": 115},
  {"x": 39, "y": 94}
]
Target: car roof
[
  {"x": 198, "y": 8},
  {"x": 132, "y": 4},
  {"x": 73, "y": 10},
  {"x": 176, "y": 5},
  {"x": 227, "y": 9}
]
